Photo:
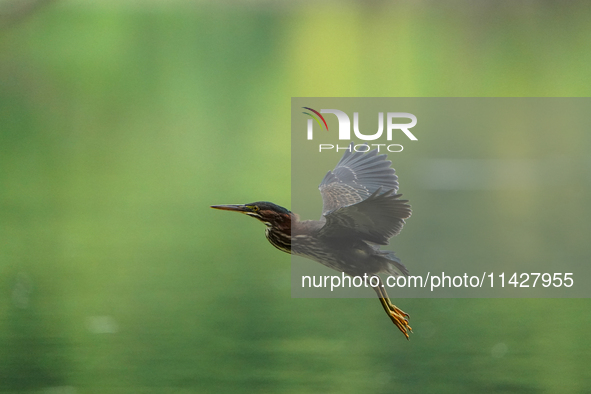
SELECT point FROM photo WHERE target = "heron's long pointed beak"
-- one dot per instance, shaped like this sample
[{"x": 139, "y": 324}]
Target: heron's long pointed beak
[{"x": 235, "y": 208}]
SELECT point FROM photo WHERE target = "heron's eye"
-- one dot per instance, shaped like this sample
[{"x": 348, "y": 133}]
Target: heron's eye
[{"x": 255, "y": 208}]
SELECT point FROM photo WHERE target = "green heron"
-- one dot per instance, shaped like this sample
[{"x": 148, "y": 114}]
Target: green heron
[{"x": 361, "y": 211}]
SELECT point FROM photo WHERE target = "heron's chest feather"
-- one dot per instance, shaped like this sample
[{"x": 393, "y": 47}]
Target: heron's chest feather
[{"x": 279, "y": 234}]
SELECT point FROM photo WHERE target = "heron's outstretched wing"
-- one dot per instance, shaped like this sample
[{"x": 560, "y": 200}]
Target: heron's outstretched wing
[
  {"x": 375, "y": 219},
  {"x": 356, "y": 177}
]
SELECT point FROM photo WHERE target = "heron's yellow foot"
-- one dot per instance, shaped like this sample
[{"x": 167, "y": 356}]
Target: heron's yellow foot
[
  {"x": 400, "y": 319},
  {"x": 397, "y": 315}
]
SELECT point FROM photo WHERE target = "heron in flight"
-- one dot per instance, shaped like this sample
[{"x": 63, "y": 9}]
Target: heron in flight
[{"x": 361, "y": 211}]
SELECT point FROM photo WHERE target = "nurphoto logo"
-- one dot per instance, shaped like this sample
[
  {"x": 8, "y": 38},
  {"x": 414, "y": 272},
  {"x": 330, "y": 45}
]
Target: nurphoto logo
[{"x": 392, "y": 125}]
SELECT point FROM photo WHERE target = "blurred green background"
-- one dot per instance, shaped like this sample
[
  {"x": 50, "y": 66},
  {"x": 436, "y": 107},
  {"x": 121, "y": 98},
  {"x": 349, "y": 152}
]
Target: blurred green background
[{"x": 121, "y": 122}]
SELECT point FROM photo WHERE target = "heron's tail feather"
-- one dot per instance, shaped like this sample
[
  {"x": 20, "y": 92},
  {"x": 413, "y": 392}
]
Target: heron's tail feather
[{"x": 393, "y": 265}]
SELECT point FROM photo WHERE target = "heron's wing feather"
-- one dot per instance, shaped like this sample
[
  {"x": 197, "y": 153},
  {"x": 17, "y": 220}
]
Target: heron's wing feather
[
  {"x": 356, "y": 177},
  {"x": 375, "y": 219}
]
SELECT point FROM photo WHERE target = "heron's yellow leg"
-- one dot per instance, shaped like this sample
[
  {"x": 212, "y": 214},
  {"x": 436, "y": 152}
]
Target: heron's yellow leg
[{"x": 397, "y": 315}]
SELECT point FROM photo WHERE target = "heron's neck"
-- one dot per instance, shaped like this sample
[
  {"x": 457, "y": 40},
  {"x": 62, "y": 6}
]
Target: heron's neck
[{"x": 279, "y": 232}]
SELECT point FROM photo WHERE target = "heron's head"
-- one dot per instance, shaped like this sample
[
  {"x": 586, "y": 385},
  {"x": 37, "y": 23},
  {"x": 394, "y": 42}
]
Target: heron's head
[{"x": 265, "y": 211}]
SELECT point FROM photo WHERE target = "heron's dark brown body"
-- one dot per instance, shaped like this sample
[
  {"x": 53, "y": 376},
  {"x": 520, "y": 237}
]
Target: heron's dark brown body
[
  {"x": 349, "y": 255},
  {"x": 361, "y": 212}
]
